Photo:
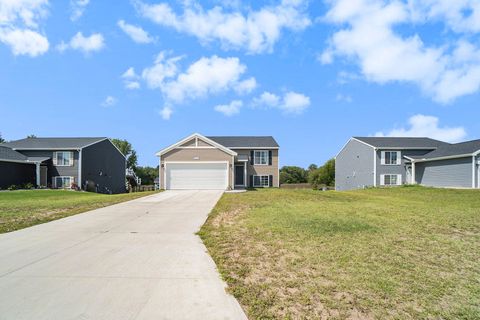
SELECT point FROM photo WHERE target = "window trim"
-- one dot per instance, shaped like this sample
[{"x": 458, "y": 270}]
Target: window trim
[
  {"x": 72, "y": 181},
  {"x": 399, "y": 158},
  {"x": 382, "y": 179},
  {"x": 267, "y": 158},
  {"x": 70, "y": 160},
  {"x": 261, "y": 185}
]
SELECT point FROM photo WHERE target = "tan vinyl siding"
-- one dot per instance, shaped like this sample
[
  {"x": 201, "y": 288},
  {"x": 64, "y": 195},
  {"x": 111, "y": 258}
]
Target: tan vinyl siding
[
  {"x": 261, "y": 169},
  {"x": 190, "y": 143}
]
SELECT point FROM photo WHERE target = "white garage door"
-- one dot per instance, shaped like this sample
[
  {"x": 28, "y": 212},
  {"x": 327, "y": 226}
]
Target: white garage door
[{"x": 203, "y": 175}]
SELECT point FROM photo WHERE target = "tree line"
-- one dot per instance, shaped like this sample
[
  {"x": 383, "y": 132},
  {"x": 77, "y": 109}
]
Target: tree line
[{"x": 316, "y": 176}]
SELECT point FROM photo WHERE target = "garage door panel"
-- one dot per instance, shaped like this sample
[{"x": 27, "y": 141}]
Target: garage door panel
[{"x": 197, "y": 176}]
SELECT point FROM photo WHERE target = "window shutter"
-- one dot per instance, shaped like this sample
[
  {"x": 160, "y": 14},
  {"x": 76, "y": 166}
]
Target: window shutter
[
  {"x": 70, "y": 162},
  {"x": 270, "y": 180},
  {"x": 251, "y": 181},
  {"x": 382, "y": 180},
  {"x": 54, "y": 158},
  {"x": 269, "y": 157},
  {"x": 383, "y": 157},
  {"x": 399, "y": 179},
  {"x": 252, "y": 155}
]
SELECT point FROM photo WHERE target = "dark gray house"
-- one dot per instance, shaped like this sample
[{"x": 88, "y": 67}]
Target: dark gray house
[
  {"x": 92, "y": 164},
  {"x": 379, "y": 161}
]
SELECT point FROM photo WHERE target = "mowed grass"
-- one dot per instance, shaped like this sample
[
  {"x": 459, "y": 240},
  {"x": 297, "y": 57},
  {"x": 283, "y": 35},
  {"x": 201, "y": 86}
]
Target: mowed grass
[
  {"x": 25, "y": 208},
  {"x": 399, "y": 253}
]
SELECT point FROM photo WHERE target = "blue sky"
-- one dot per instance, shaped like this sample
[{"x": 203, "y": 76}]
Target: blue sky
[{"x": 309, "y": 73}]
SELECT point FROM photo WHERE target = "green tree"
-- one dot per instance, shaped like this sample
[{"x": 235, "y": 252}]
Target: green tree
[
  {"x": 312, "y": 167},
  {"x": 323, "y": 176},
  {"x": 130, "y": 154},
  {"x": 292, "y": 174},
  {"x": 1, "y": 139},
  {"x": 147, "y": 174},
  {"x": 31, "y": 136}
]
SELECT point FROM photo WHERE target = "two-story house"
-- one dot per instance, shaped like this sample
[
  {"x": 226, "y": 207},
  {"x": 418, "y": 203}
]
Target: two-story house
[
  {"x": 390, "y": 161},
  {"x": 221, "y": 163},
  {"x": 92, "y": 164}
]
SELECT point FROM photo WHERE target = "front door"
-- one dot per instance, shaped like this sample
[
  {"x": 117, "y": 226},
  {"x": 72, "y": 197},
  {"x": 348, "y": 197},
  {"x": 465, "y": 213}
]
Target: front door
[
  {"x": 239, "y": 175},
  {"x": 43, "y": 176}
]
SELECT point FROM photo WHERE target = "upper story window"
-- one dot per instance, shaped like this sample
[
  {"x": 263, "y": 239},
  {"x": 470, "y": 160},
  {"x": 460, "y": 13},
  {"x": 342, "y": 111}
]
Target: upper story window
[
  {"x": 260, "y": 157},
  {"x": 63, "y": 158},
  {"x": 391, "y": 157}
]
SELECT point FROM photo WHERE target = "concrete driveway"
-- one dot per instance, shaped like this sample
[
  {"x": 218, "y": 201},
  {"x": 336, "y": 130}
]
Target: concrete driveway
[{"x": 135, "y": 260}]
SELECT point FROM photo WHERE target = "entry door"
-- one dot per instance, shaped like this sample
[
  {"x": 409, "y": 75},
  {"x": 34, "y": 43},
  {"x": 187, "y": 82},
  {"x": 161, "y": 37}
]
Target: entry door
[
  {"x": 43, "y": 176},
  {"x": 239, "y": 175}
]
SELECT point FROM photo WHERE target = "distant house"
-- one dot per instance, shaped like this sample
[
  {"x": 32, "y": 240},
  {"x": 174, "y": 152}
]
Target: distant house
[
  {"x": 92, "y": 164},
  {"x": 378, "y": 161},
  {"x": 221, "y": 163}
]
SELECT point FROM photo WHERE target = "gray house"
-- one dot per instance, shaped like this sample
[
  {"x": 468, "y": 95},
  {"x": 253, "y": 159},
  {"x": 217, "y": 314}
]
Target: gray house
[
  {"x": 221, "y": 163},
  {"x": 92, "y": 164},
  {"x": 378, "y": 161}
]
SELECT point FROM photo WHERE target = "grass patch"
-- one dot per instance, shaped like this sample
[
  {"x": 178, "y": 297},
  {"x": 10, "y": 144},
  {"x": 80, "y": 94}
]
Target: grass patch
[
  {"x": 398, "y": 253},
  {"x": 25, "y": 208}
]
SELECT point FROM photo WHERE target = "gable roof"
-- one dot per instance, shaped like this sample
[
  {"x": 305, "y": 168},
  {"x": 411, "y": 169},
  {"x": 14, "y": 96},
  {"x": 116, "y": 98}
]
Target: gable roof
[
  {"x": 449, "y": 150},
  {"x": 192, "y": 136},
  {"x": 52, "y": 143},
  {"x": 7, "y": 153},
  {"x": 10, "y": 155},
  {"x": 402, "y": 142},
  {"x": 233, "y": 142}
]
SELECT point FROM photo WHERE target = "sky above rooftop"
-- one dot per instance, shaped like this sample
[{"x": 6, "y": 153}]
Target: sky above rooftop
[{"x": 310, "y": 73}]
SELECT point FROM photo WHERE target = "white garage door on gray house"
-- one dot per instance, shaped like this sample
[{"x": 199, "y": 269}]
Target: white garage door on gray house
[{"x": 219, "y": 163}]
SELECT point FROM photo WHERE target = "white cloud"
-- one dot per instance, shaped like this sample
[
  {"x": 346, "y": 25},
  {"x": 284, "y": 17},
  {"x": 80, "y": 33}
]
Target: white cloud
[
  {"x": 137, "y": 34},
  {"x": 255, "y": 31},
  {"x": 290, "y": 103},
  {"x": 24, "y": 42},
  {"x": 368, "y": 33},
  {"x": 109, "y": 102},
  {"x": 92, "y": 43},
  {"x": 130, "y": 79},
  {"x": 295, "y": 102},
  {"x": 78, "y": 8},
  {"x": 267, "y": 99},
  {"x": 205, "y": 77},
  {"x": 166, "y": 112},
  {"x": 344, "y": 98},
  {"x": 427, "y": 126},
  {"x": 230, "y": 109},
  {"x": 162, "y": 69},
  {"x": 19, "y": 23},
  {"x": 246, "y": 86}
]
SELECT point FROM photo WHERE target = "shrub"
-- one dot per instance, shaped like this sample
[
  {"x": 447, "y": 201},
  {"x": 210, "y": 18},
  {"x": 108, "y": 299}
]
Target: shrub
[
  {"x": 12, "y": 187},
  {"x": 323, "y": 176},
  {"x": 28, "y": 185}
]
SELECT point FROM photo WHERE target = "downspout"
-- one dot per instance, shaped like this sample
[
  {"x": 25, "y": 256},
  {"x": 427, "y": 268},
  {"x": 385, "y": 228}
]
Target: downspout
[
  {"x": 473, "y": 171},
  {"x": 160, "y": 178},
  {"x": 79, "y": 182},
  {"x": 375, "y": 167}
]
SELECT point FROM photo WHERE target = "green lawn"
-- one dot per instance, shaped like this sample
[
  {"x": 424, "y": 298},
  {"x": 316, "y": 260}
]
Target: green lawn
[
  {"x": 400, "y": 253},
  {"x": 21, "y": 209}
]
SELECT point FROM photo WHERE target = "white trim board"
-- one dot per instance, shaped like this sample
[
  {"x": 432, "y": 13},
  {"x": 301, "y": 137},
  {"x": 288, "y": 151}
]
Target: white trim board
[{"x": 192, "y": 136}]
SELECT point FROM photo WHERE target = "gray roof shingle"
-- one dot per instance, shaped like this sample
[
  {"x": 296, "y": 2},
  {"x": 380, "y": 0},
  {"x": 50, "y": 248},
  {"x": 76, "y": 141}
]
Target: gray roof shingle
[
  {"x": 463, "y": 148},
  {"x": 9, "y": 154},
  {"x": 246, "y": 142},
  {"x": 402, "y": 142},
  {"x": 51, "y": 143}
]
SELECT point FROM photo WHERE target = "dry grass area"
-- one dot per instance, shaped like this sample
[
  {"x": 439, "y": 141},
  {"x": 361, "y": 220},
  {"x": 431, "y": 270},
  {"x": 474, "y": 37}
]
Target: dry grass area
[
  {"x": 401, "y": 253},
  {"x": 25, "y": 208}
]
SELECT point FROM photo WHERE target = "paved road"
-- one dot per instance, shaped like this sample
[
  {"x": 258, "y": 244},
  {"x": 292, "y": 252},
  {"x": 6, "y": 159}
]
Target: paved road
[{"x": 135, "y": 260}]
